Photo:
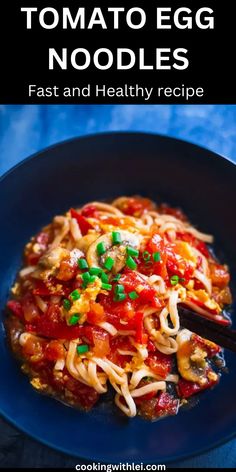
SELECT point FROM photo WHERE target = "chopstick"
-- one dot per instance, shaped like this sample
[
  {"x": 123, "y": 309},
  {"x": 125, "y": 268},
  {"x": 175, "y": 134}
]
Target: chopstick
[{"x": 222, "y": 335}]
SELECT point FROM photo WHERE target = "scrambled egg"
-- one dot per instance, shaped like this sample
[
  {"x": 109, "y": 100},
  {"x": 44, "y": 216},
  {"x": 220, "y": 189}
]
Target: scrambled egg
[
  {"x": 185, "y": 250},
  {"x": 87, "y": 296},
  {"x": 182, "y": 292},
  {"x": 108, "y": 228},
  {"x": 16, "y": 289},
  {"x": 203, "y": 296},
  {"x": 37, "y": 384},
  {"x": 135, "y": 364}
]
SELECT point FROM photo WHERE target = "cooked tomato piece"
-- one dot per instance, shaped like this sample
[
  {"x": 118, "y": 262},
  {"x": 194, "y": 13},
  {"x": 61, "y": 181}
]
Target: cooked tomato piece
[
  {"x": 96, "y": 314},
  {"x": 101, "y": 346},
  {"x": 141, "y": 337},
  {"x": 135, "y": 282},
  {"x": 125, "y": 315},
  {"x": 165, "y": 209},
  {"x": 148, "y": 408},
  {"x": 151, "y": 346},
  {"x": 91, "y": 333},
  {"x": 118, "y": 359},
  {"x": 186, "y": 388},
  {"x": 123, "y": 343},
  {"x": 87, "y": 333},
  {"x": 159, "y": 363},
  {"x": 116, "y": 311},
  {"x": 51, "y": 325},
  {"x": 30, "y": 309},
  {"x": 114, "y": 319},
  {"x": 46, "y": 372},
  {"x": 98, "y": 339},
  {"x": 112, "y": 220},
  {"x": 178, "y": 265},
  {"x": 136, "y": 206},
  {"x": 56, "y": 330},
  {"x": 156, "y": 244},
  {"x": 16, "y": 308},
  {"x": 54, "y": 351},
  {"x": 198, "y": 285},
  {"x": 40, "y": 288},
  {"x": 200, "y": 245},
  {"x": 53, "y": 313},
  {"x": 80, "y": 394},
  {"x": 42, "y": 240},
  {"x": 147, "y": 396},
  {"x": 90, "y": 211},
  {"x": 219, "y": 275},
  {"x": 32, "y": 258},
  {"x": 81, "y": 220},
  {"x": 166, "y": 404},
  {"x": 86, "y": 396},
  {"x": 51, "y": 287},
  {"x": 94, "y": 318},
  {"x": 34, "y": 348},
  {"x": 67, "y": 270},
  {"x": 222, "y": 296}
]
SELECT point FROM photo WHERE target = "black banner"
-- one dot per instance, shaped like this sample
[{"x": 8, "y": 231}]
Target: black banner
[{"x": 117, "y": 52}]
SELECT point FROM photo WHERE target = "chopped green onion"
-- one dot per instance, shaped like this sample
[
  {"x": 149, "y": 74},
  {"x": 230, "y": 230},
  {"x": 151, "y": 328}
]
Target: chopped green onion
[
  {"x": 120, "y": 297},
  {"x": 92, "y": 279},
  {"x": 131, "y": 251},
  {"x": 131, "y": 263},
  {"x": 74, "y": 319},
  {"x": 82, "y": 348},
  {"x": 148, "y": 264},
  {"x": 66, "y": 304},
  {"x": 95, "y": 271},
  {"x": 82, "y": 263},
  {"x": 146, "y": 256},
  {"x": 148, "y": 379},
  {"x": 119, "y": 288},
  {"x": 174, "y": 279},
  {"x": 101, "y": 249},
  {"x": 106, "y": 286},
  {"x": 116, "y": 278},
  {"x": 133, "y": 295},
  {"x": 104, "y": 277},
  {"x": 86, "y": 277},
  {"x": 75, "y": 295},
  {"x": 116, "y": 237},
  {"x": 156, "y": 256},
  {"x": 109, "y": 262}
]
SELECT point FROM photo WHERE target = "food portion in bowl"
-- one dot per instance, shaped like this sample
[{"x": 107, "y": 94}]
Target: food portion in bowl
[{"x": 95, "y": 307}]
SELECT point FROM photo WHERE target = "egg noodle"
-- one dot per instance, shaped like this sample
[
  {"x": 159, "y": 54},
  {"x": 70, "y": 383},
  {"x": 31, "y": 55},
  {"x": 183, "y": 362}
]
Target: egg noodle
[{"x": 98, "y": 300}]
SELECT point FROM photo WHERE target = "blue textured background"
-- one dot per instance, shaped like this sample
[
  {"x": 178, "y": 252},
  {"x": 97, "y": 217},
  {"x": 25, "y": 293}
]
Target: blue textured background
[{"x": 26, "y": 129}]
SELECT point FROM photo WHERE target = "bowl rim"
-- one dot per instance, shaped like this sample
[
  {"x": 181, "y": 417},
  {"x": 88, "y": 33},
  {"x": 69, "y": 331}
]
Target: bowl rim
[
  {"x": 25, "y": 161},
  {"x": 89, "y": 136},
  {"x": 165, "y": 460}
]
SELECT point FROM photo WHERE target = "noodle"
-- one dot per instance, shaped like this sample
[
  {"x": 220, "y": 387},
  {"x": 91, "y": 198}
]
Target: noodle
[{"x": 148, "y": 388}]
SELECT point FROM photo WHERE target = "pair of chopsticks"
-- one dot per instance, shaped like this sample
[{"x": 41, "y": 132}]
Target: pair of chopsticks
[{"x": 222, "y": 335}]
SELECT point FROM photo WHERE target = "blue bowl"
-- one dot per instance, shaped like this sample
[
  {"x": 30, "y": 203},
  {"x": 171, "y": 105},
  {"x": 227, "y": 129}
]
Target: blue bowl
[{"x": 101, "y": 167}]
